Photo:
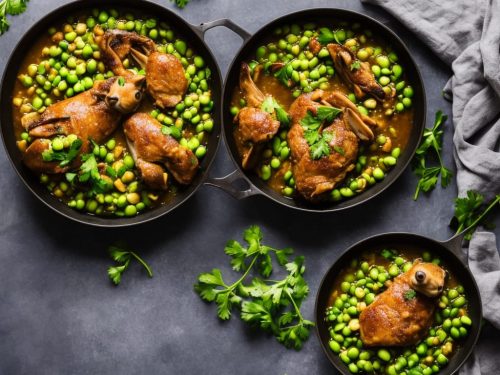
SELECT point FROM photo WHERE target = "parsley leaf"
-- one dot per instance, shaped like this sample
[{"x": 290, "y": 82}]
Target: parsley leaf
[
  {"x": 171, "y": 130},
  {"x": 429, "y": 176},
  {"x": 65, "y": 157},
  {"x": 389, "y": 254},
  {"x": 90, "y": 172},
  {"x": 180, "y": 3},
  {"x": 284, "y": 75},
  {"x": 467, "y": 212},
  {"x": 410, "y": 294},
  {"x": 355, "y": 65},
  {"x": 121, "y": 81},
  {"x": 327, "y": 36},
  {"x": 123, "y": 258},
  {"x": 271, "y": 305},
  {"x": 270, "y": 105},
  {"x": 12, "y": 7},
  {"x": 319, "y": 142}
]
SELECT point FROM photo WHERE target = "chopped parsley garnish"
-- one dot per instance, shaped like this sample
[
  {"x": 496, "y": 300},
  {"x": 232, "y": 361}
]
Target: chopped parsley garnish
[
  {"x": 284, "y": 75},
  {"x": 327, "y": 36},
  {"x": 319, "y": 142},
  {"x": 270, "y": 105},
  {"x": 121, "y": 81},
  {"x": 388, "y": 254},
  {"x": 89, "y": 172},
  {"x": 355, "y": 65},
  {"x": 65, "y": 157},
  {"x": 172, "y": 130},
  {"x": 410, "y": 294}
]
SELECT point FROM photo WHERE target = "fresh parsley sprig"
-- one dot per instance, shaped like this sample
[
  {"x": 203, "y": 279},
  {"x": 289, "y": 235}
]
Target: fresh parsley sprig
[
  {"x": 410, "y": 294},
  {"x": 284, "y": 75},
  {"x": 123, "y": 258},
  {"x": 11, "y": 7},
  {"x": 180, "y": 3},
  {"x": 468, "y": 213},
  {"x": 270, "y": 105},
  {"x": 272, "y": 305},
  {"x": 327, "y": 36},
  {"x": 432, "y": 140},
  {"x": 65, "y": 157},
  {"x": 319, "y": 142}
]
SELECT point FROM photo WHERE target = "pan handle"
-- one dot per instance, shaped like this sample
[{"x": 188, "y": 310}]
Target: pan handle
[
  {"x": 205, "y": 26},
  {"x": 226, "y": 184},
  {"x": 454, "y": 244}
]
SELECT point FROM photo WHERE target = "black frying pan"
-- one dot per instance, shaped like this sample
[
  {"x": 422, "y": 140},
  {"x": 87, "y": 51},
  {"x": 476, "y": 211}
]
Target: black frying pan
[
  {"x": 318, "y": 16},
  {"x": 452, "y": 256},
  {"x": 191, "y": 33}
]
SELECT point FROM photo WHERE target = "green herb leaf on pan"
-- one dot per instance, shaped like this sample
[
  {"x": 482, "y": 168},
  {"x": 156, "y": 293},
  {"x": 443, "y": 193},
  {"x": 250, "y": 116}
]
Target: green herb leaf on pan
[
  {"x": 11, "y": 7},
  {"x": 432, "y": 140},
  {"x": 284, "y": 75},
  {"x": 65, "y": 157},
  {"x": 271, "y": 305},
  {"x": 468, "y": 214},
  {"x": 123, "y": 257},
  {"x": 89, "y": 172}
]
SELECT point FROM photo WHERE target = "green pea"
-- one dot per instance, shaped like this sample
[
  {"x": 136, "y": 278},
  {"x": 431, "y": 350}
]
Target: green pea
[
  {"x": 335, "y": 194},
  {"x": 384, "y": 80},
  {"x": 353, "y": 353},
  {"x": 362, "y": 110},
  {"x": 466, "y": 320},
  {"x": 70, "y": 37},
  {"x": 441, "y": 359},
  {"x": 406, "y": 102},
  {"x": 408, "y": 92},
  {"x": 459, "y": 302},
  {"x": 400, "y": 107},
  {"x": 378, "y": 174},
  {"x": 334, "y": 346},
  {"x": 346, "y": 331},
  {"x": 265, "y": 172},
  {"x": 128, "y": 161},
  {"x": 261, "y": 52},
  {"x": 454, "y": 332},
  {"x": 57, "y": 144},
  {"x": 463, "y": 331},
  {"x": 384, "y": 355},
  {"x": 359, "y": 292},
  {"x": 91, "y": 205},
  {"x": 369, "y": 298},
  {"x": 374, "y": 273},
  {"x": 198, "y": 62},
  {"x": 200, "y": 151},
  {"x": 37, "y": 103},
  {"x": 382, "y": 61},
  {"x": 346, "y": 192},
  {"x": 390, "y": 160},
  {"x": 130, "y": 210},
  {"x": 180, "y": 46},
  {"x": 27, "y": 81},
  {"x": 385, "y": 71}
]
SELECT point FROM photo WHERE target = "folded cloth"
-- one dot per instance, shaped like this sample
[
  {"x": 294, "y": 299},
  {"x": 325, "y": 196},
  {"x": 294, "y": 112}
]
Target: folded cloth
[{"x": 465, "y": 34}]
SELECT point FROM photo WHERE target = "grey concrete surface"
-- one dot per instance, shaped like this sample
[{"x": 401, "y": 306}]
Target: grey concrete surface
[{"x": 59, "y": 314}]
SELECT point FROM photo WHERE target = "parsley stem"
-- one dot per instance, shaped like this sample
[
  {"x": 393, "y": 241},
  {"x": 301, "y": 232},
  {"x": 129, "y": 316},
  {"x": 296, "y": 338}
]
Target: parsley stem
[
  {"x": 481, "y": 217},
  {"x": 297, "y": 310},
  {"x": 236, "y": 283},
  {"x": 139, "y": 259}
]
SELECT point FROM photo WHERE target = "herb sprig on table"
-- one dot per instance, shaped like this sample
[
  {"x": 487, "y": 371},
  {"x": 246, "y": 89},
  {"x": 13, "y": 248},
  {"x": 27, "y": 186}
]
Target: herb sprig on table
[
  {"x": 123, "y": 257},
  {"x": 270, "y": 304},
  {"x": 432, "y": 140},
  {"x": 468, "y": 212},
  {"x": 11, "y": 7}
]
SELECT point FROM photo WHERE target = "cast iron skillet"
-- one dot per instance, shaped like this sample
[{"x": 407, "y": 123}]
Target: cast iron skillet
[
  {"x": 319, "y": 16},
  {"x": 193, "y": 34},
  {"x": 452, "y": 256}
]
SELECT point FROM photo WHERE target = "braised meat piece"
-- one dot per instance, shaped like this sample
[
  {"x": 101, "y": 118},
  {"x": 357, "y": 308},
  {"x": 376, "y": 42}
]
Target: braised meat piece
[
  {"x": 151, "y": 150},
  {"x": 254, "y": 126},
  {"x": 355, "y": 72},
  {"x": 402, "y": 314},
  {"x": 165, "y": 76},
  {"x": 313, "y": 177},
  {"x": 93, "y": 114}
]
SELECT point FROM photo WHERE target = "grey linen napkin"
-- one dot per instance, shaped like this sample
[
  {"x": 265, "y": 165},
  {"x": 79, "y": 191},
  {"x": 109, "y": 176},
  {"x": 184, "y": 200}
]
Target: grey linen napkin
[{"x": 465, "y": 34}]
